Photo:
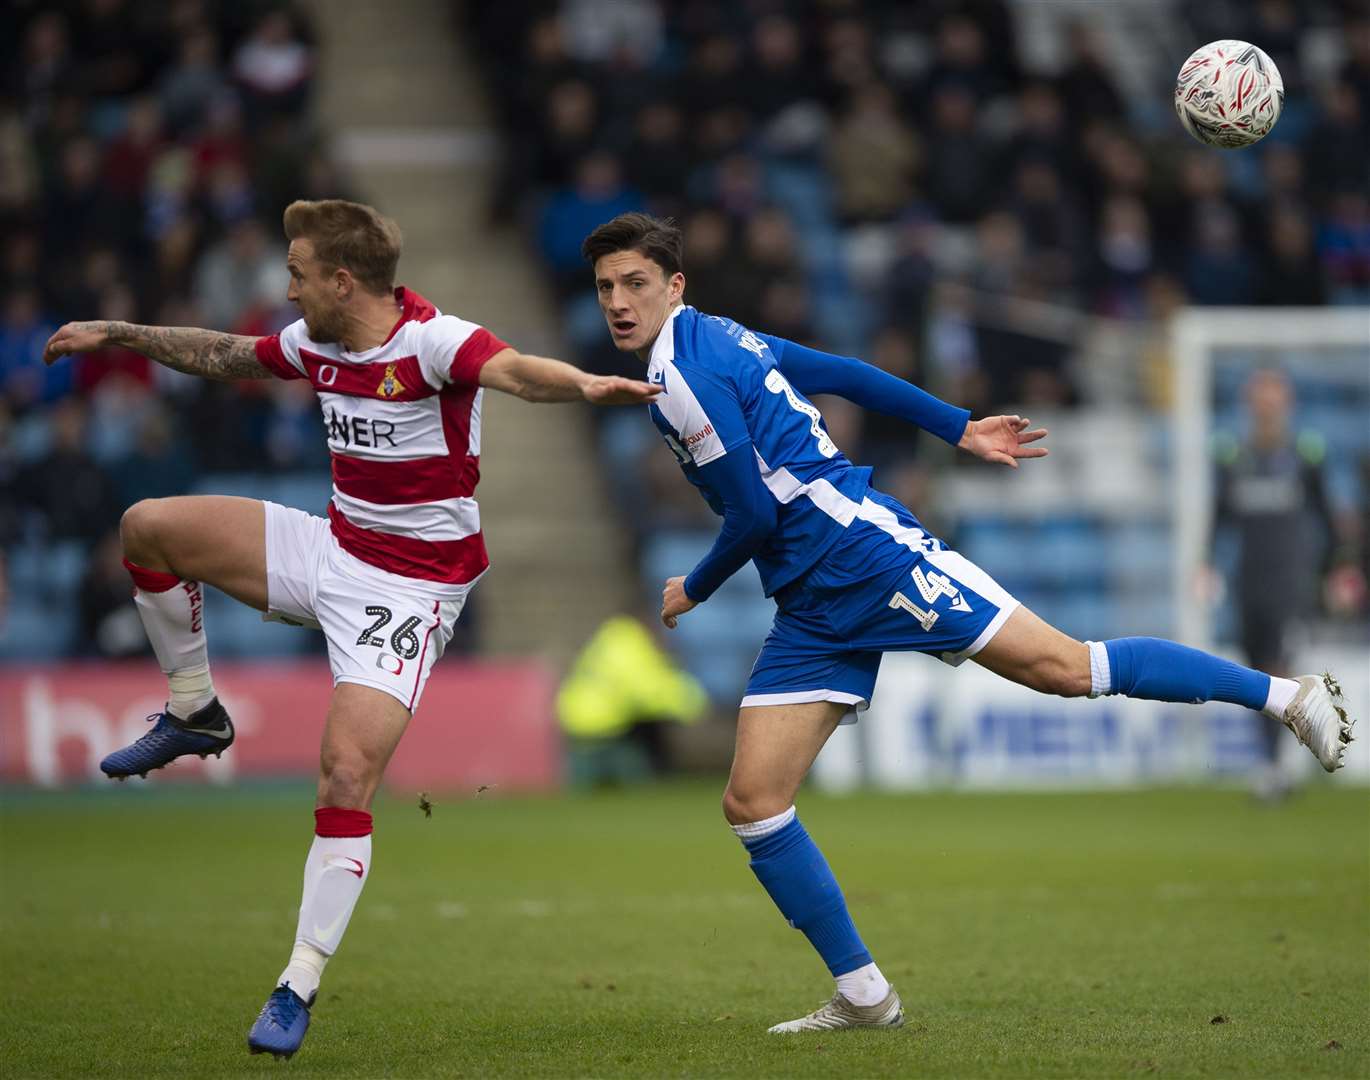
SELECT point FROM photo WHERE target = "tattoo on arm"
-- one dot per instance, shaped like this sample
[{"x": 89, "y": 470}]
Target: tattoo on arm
[{"x": 196, "y": 352}]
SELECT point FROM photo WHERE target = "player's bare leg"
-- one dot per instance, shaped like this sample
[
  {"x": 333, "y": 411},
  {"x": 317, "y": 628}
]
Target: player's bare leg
[
  {"x": 776, "y": 745},
  {"x": 363, "y": 728},
  {"x": 1029, "y": 651},
  {"x": 217, "y": 540},
  {"x": 171, "y": 548}
]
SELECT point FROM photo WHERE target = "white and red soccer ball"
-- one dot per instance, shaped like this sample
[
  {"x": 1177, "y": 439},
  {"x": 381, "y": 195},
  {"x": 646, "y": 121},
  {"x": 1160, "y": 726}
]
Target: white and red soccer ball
[{"x": 1229, "y": 94}]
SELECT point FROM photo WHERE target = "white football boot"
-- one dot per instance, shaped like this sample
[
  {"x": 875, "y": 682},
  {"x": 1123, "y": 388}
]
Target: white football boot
[
  {"x": 1318, "y": 718},
  {"x": 841, "y": 1013}
]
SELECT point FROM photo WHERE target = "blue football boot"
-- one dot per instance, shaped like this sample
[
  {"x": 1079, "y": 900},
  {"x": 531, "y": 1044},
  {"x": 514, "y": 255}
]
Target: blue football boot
[
  {"x": 281, "y": 1024},
  {"x": 207, "y": 731}
]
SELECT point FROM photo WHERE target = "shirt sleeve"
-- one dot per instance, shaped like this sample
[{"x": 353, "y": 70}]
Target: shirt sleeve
[
  {"x": 814, "y": 372},
  {"x": 280, "y": 353},
  {"x": 704, "y": 411},
  {"x": 452, "y": 351},
  {"x": 749, "y": 516}
]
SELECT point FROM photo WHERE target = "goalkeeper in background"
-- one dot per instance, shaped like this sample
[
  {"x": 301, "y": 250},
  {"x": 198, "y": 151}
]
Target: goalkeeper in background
[{"x": 1272, "y": 493}]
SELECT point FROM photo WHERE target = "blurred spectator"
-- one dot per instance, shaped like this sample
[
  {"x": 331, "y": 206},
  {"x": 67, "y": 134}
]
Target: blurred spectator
[
  {"x": 570, "y": 126},
  {"x": 714, "y": 273},
  {"x": 658, "y": 158},
  {"x": 959, "y": 158},
  {"x": 624, "y": 32},
  {"x": 777, "y": 76},
  {"x": 221, "y": 140},
  {"x": 1355, "y": 71},
  {"x": 873, "y": 157},
  {"x": 108, "y": 625},
  {"x": 1124, "y": 259},
  {"x": 241, "y": 270},
  {"x": 597, "y": 195},
  {"x": 81, "y": 208},
  {"x": 1042, "y": 133},
  {"x": 46, "y": 62},
  {"x": 158, "y": 466},
  {"x": 1338, "y": 151},
  {"x": 769, "y": 275},
  {"x": 1290, "y": 273},
  {"x": 129, "y": 156},
  {"x": 908, "y": 283},
  {"x": 69, "y": 492},
  {"x": 18, "y": 162},
  {"x": 1087, "y": 85},
  {"x": 116, "y": 57},
  {"x": 24, "y": 379},
  {"x": 1344, "y": 247},
  {"x": 193, "y": 82},
  {"x": 1219, "y": 270},
  {"x": 273, "y": 67},
  {"x": 739, "y": 185},
  {"x": 1052, "y": 229}
]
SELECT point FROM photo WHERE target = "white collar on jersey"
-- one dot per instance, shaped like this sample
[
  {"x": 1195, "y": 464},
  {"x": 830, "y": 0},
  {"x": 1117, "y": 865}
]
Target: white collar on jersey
[{"x": 663, "y": 348}]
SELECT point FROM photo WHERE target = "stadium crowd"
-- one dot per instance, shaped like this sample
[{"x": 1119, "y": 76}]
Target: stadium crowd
[
  {"x": 830, "y": 161},
  {"x": 888, "y": 180},
  {"x": 146, "y": 153}
]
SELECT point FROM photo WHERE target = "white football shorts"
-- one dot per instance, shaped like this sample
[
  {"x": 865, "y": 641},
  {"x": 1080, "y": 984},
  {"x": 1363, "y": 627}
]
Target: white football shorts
[{"x": 383, "y": 630}]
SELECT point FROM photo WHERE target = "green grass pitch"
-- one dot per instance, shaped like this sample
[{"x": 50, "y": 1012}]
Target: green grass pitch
[{"x": 1168, "y": 933}]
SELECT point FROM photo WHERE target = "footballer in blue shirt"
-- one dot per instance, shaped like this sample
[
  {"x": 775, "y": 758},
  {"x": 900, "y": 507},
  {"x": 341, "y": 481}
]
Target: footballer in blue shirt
[{"x": 854, "y": 575}]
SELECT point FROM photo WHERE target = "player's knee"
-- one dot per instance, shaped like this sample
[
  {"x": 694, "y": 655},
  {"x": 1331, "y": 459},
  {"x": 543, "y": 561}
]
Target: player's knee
[
  {"x": 139, "y": 531},
  {"x": 347, "y": 781},
  {"x": 743, "y": 805}
]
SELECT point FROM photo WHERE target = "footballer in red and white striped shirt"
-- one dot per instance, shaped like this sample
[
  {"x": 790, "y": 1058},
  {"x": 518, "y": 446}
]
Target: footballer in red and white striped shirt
[{"x": 385, "y": 575}]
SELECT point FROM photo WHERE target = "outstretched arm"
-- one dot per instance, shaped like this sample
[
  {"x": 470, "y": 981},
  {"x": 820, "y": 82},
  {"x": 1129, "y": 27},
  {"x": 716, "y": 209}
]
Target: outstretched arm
[
  {"x": 538, "y": 378},
  {"x": 1001, "y": 439},
  {"x": 208, "y": 353},
  {"x": 813, "y": 372}
]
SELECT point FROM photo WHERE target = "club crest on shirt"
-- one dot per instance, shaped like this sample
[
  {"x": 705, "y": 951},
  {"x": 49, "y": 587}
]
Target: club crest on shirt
[{"x": 390, "y": 383}]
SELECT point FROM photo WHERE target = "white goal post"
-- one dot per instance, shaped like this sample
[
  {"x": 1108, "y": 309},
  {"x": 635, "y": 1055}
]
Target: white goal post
[{"x": 1196, "y": 334}]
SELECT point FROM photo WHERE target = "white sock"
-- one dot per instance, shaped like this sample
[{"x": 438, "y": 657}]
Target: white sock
[
  {"x": 1100, "y": 675},
  {"x": 172, "y": 611},
  {"x": 1281, "y": 693},
  {"x": 334, "y": 873},
  {"x": 191, "y": 690},
  {"x": 864, "y": 986},
  {"x": 755, "y": 830},
  {"x": 304, "y": 971}
]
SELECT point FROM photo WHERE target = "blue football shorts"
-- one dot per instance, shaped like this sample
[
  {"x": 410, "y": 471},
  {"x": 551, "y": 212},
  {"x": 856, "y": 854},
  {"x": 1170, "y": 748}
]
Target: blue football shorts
[{"x": 886, "y": 586}]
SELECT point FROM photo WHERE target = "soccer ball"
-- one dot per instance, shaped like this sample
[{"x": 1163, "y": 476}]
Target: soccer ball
[{"x": 1229, "y": 94}]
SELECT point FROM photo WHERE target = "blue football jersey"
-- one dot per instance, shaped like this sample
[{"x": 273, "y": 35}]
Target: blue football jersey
[{"x": 723, "y": 393}]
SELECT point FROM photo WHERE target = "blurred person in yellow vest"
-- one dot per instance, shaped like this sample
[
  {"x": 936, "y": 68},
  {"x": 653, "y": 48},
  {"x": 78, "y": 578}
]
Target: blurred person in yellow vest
[{"x": 613, "y": 704}]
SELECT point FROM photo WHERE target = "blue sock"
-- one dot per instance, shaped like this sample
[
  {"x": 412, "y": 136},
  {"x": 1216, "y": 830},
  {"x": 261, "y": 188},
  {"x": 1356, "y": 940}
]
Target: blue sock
[
  {"x": 1158, "y": 670},
  {"x": 792, "y": 869}
]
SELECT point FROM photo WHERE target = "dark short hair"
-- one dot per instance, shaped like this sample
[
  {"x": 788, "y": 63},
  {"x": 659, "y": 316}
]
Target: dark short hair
[
  {"x": 655, "y": 238},
  {"x": 348, "y": 235}
]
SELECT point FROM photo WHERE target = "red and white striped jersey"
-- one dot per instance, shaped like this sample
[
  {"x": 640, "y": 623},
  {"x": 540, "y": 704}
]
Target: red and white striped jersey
[{"x": 403, "y": 424}]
